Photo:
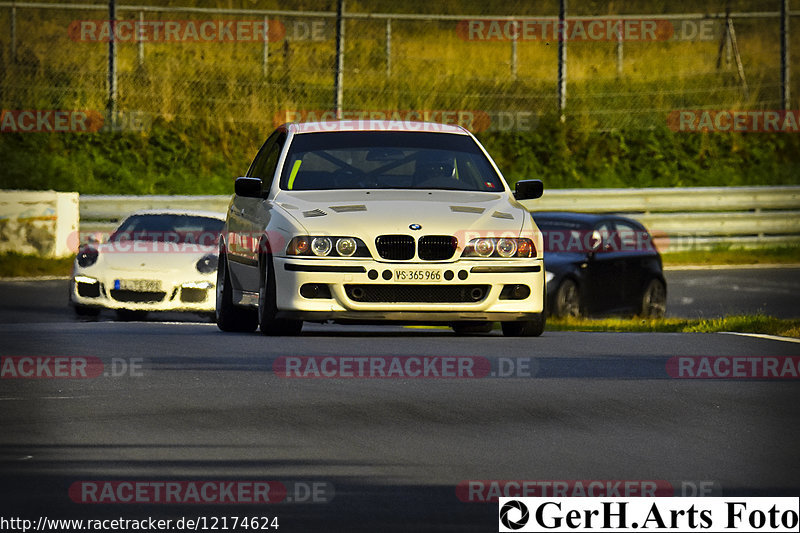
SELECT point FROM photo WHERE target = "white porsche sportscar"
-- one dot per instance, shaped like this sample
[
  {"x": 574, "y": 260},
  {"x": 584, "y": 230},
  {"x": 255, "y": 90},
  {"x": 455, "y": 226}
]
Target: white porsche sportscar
[
  {"x": 156, "y": 260},
  {"x": 374, "y": 221}
]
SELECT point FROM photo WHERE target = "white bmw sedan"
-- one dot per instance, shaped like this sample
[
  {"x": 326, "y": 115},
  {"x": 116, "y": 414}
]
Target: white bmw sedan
[
  {"x": 368, "y": 221},
  {"x": 156, "y": 260}
]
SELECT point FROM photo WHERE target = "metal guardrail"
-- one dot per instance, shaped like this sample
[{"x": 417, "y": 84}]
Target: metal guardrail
[
  {"x": 684, "y": 218},
  {"x": 668, "y": 200}
]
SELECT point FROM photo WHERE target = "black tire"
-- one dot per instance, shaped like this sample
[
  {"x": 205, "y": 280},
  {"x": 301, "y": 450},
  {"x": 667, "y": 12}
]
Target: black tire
[
  {"x": 525, "y": 328},
  {"x": 470, "y": 328},
  {"x": 567, "y": 301},
  {"x": 228, "y": 316},
  {"x": 268, "y": 307},
  {"x": 654, "y": 300},
  {"x": 128, "y": 315},
  {"x": 84, "y": 310}
]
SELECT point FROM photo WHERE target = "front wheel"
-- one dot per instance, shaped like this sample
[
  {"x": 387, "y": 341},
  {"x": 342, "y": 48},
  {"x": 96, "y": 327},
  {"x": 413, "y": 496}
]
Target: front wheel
[
  {"x": 525, "y": 328},
  {"x": 567, "y": 300},
  {"x": 654, "y": 300},
  {"x": 268, "y": 307},
  {"x": 228, "y": 316}
]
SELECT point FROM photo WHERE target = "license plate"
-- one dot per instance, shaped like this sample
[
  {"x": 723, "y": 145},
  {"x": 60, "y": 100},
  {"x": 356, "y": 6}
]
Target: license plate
[
  {"x": 138, "y": 285},
  {"x": 415, "y": 275}
]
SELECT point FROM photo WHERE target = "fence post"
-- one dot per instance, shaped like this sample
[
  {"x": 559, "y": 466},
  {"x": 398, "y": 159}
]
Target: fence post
[
  {"x": 140, "y": 40},
  {"x": 13, "y": 32},
  {"x": 388, "y": 47},
  {"x": 112, "y": 65},
  {"x": 265, "y": 54},
  {"x": 514, "y": 51},
  {"x": 785, "y": 95},
  {"x": 339, "y": 57},
  {"x": 619, "y": 50},
  {"x": 562, "y": 58}
]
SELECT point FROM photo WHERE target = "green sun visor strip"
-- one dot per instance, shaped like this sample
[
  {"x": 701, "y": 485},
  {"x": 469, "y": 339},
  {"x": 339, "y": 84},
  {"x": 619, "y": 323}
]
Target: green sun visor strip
[{"x": 293, "y": 175}]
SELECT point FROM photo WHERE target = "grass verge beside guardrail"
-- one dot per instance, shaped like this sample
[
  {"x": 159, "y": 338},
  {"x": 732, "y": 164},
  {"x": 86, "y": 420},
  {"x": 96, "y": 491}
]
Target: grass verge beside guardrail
[
  {"x": 13, "y": 265},
  {"x": 724, "y": 255},
  {"x": 760, "y": 324}
]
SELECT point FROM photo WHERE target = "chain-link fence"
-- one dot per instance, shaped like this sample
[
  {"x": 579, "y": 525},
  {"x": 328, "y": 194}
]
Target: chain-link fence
[{"x": 493, "y": 70}]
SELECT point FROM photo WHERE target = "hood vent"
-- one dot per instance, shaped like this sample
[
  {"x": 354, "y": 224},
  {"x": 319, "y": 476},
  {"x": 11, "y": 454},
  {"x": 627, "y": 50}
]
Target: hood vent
[
  {"x": 314, "y": 213},
  {"x": 499, "y": 214},
  {"x": 466, "y": 209},
  {"x": 348, "y": 208}
]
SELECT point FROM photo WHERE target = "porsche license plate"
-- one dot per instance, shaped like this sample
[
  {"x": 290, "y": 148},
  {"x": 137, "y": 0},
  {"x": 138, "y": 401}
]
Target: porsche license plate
[
  {"x": 416, "y": 275},
  {"x": 138, "y": 285}
]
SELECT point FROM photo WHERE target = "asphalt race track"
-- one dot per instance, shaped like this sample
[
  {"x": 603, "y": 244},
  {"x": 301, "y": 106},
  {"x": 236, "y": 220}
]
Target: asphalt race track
[
  {"x": 182, "y": 403},
  {"x": 692, "y": 293}
]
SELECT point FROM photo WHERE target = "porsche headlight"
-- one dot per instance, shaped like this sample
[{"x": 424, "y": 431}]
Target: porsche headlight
[
  {"x": 207, "y": 264},
  {"x": 87, "y": 256}
]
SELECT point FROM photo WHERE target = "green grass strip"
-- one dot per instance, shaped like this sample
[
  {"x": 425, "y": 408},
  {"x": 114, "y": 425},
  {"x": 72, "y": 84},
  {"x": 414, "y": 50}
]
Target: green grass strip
[
  {"x": 14, "y": 265},
  {"x": 760, "y": 324},
  {"x": 723, "y": 255}
]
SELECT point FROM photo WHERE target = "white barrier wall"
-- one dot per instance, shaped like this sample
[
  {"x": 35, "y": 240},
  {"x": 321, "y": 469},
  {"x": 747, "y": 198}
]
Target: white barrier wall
[
  {"x": 43, "y": 223},
  {"x": 46, "y": 223}
]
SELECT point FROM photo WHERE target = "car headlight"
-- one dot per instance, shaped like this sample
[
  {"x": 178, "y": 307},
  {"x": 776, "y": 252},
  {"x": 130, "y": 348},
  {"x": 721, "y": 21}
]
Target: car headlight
[
  {"x": 207, "y": 264},
  {"x": 346, "y": 246},
  {"x": 323, "y": 246},
  {"x": 505, "y": 247},
  {"x": 548, "y": 276},
  {"x": 484, "y": 247},
  {"x": 87, "y": 256}
]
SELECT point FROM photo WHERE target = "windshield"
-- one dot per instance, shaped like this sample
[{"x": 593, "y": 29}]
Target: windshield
[
  {"x": 387, "y": 160},
  {"x": 169, "y": 228}
]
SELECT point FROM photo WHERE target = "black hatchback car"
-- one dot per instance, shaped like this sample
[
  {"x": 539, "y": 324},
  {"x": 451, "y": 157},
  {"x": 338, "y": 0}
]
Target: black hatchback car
[{"x": 600, "y": 264}]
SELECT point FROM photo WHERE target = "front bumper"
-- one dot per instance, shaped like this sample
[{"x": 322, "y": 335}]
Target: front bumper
[
  {"x": 195, "y": 295},
  {"x": 361, "y": 290}
]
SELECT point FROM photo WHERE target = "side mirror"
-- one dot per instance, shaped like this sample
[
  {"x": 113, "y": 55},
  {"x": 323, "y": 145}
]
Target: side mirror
[
  {"x": 248, "y": 187},
  {"x": 528, "y": 189},
  {"x": 595, "y": 242}
]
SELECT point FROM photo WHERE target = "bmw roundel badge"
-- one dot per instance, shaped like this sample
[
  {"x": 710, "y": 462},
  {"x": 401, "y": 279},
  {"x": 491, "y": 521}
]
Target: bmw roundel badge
[{"x": 414, "y": 226}]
